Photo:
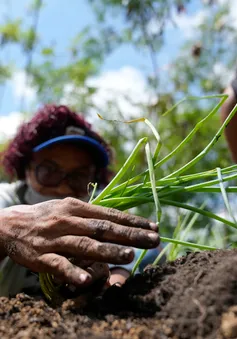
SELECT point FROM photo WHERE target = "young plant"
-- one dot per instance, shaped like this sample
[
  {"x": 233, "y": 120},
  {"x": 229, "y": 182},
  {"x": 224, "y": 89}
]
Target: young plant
[
  {"x": 138, "y": 190},
  {"x": 145, "y": 187}
]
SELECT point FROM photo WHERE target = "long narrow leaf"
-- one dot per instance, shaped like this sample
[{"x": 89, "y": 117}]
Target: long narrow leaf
[
  {"x": 122, "y": 171},
  {"x": 209, "y": 146},
  {"x": 188, "y": 244},
  {"x": 198, "y": 210},
  {"x": 192, "y": 133},
  {"x": 153, "y": 182},
  {"x": 224, "y": 194},
  {"x": 155, "y": 197}
]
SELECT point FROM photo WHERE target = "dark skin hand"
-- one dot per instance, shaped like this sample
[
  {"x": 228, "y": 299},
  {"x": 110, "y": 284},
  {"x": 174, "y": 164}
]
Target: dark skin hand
[
  {"x": 99, "y": 272},
  {"x": 42, "y": 237}
]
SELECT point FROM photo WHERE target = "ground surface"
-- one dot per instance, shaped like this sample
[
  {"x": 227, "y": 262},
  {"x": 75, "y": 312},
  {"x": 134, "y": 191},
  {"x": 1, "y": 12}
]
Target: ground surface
[{"x": 193, "y": 297}]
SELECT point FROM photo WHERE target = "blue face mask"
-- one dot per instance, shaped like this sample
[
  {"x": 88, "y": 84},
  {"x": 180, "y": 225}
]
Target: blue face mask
[{"x": 33, "y": 197}]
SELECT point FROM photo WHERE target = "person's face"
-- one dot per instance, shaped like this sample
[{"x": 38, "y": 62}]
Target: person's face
[{"x": 61, "y": 170}]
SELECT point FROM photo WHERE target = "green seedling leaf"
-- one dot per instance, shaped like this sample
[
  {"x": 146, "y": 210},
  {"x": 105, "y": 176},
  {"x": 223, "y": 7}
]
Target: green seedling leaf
[{"x": 224, "y": 194}]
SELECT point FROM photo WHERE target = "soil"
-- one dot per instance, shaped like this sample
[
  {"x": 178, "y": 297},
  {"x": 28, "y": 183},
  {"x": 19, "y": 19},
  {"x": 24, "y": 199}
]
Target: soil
[{"x": 192, "y": 297}]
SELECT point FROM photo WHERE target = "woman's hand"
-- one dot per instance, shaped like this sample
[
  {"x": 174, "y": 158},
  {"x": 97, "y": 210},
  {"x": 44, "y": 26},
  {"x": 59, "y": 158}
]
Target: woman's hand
[{"x": 42, "y": 237}]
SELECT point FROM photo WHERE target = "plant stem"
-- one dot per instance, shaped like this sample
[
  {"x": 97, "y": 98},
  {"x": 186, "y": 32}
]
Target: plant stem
[
  {"x": 209, "y": 146},
  {"x": 129, "y": 162},
  {"x": 188, "y": 244}
]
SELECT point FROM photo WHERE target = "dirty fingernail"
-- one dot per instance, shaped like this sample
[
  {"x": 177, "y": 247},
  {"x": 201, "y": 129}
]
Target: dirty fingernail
[
  {"x": 84, "y": 278},
  {"x": 118, "y": 284},
  {"x": 128, "y": 254},
  {"x": 154, "y": 226},
  {"x": 154, "y": 237}
]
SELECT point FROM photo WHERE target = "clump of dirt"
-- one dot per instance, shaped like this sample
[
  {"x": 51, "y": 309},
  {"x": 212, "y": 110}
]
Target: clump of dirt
[{"x": 192, "y": 297}]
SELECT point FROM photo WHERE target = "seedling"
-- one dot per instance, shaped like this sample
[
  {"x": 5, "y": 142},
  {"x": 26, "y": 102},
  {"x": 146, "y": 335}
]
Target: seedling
[{"x": 145, "y": 187}]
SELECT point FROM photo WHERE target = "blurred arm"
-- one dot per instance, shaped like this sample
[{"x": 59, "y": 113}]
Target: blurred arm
[{"x": 231, "y": 129}]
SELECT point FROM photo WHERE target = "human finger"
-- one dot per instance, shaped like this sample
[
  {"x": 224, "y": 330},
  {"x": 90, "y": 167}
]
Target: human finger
[
  {"x": 81, "y": 263},
  {"x": 107, "y": 231},
  {"x": 61, "y": 267},
  {"x": 98, "y": 270},
  {"x": 89, "y": 249},
  {"x": 86, "y": 210}
]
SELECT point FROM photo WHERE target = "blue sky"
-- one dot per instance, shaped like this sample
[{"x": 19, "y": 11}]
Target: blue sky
[{"x": 58, "y": 24}]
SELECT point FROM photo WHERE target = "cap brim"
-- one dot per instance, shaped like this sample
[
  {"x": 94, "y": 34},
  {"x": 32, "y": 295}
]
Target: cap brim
[{"x": 94, "y": 146}]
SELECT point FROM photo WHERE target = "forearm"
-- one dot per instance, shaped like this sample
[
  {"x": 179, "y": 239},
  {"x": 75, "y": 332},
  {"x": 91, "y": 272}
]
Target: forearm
[{"x": 231, "y": 129}]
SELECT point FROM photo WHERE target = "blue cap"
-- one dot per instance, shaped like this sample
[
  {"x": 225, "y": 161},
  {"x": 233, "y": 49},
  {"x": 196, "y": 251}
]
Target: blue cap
[{"x": 97, "y": 150}]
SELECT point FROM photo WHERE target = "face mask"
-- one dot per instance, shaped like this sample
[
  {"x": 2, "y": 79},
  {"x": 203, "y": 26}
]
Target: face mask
[{"x": 33, "y": 197}]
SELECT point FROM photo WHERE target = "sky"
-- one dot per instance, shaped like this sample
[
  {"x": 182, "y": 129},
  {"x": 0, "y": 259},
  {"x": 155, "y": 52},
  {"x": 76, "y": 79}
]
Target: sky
[{"x": 123, "y": 70}]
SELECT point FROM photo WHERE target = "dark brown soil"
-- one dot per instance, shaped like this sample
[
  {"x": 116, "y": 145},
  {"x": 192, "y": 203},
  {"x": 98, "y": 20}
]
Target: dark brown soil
[{"x": 193, "y": 297}]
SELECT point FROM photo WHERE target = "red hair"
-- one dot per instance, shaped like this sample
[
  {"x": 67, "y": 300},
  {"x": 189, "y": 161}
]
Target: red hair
[{"x": 49, "y": 122}]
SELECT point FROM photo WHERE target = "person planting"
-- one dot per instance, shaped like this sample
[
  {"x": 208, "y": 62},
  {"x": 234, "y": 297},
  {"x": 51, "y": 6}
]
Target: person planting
[{"x": 46, "y": 222}]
